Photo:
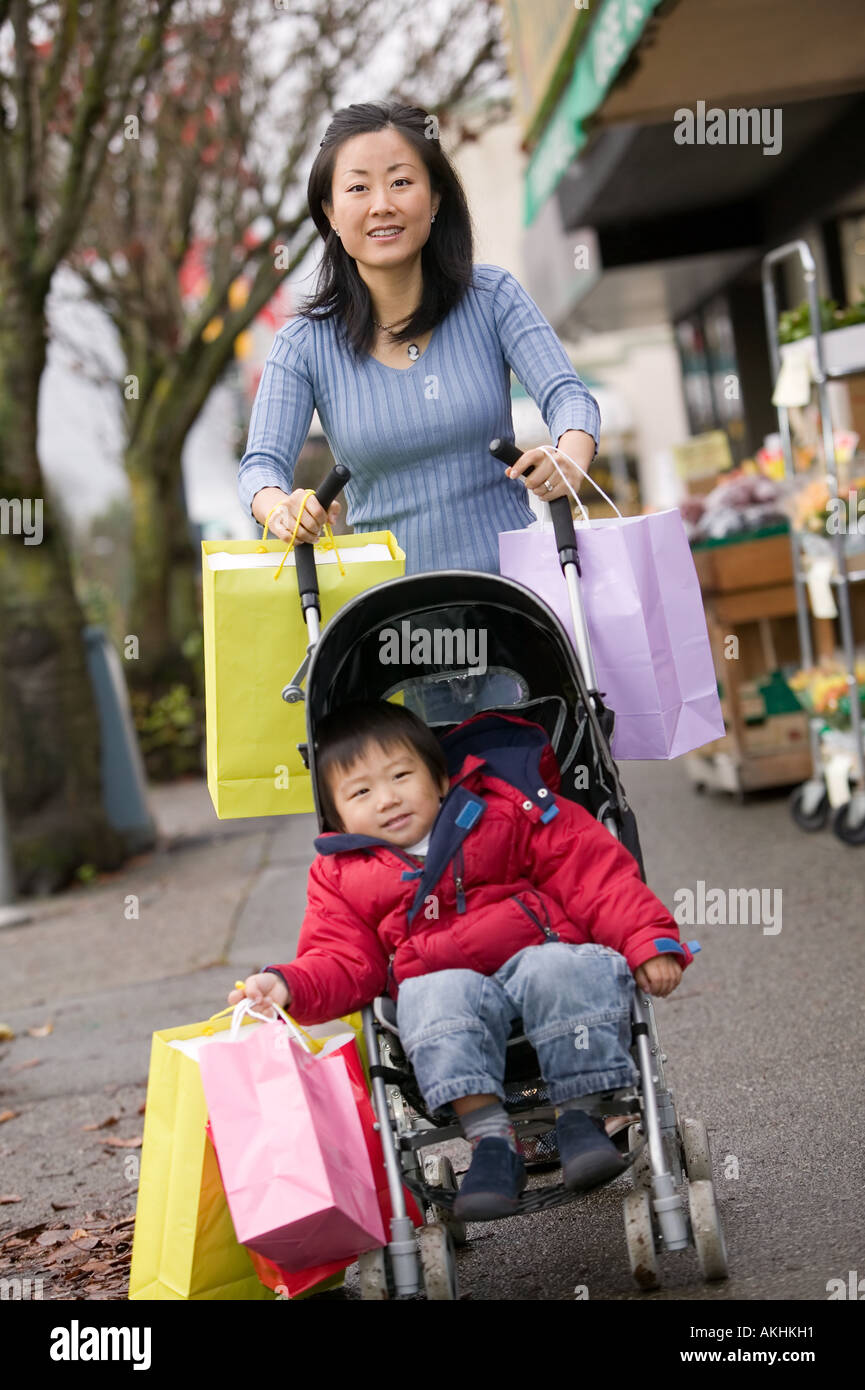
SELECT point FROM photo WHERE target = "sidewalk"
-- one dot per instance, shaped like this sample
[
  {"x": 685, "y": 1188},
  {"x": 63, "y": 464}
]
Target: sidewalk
[{"x": 158, "y": 944}]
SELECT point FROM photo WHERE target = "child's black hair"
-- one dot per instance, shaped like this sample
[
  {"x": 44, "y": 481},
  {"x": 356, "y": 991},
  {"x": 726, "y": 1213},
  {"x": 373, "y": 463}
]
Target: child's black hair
[{"x": 343, "y": 735}]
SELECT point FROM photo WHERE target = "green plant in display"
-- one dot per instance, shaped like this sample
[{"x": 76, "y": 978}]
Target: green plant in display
[{"x": 794, "y": 324}]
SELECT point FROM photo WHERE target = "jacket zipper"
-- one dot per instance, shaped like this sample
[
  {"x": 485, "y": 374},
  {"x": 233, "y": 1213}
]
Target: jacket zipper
[
  {"x": 549, "y": 934},
  {"x": 458, "y": 883}
]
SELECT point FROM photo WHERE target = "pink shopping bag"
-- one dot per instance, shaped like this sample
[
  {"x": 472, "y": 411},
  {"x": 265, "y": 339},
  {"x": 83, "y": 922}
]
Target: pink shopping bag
[
  {"x": 292, "y": 1153},
  {"x": 647, "y": 627}
]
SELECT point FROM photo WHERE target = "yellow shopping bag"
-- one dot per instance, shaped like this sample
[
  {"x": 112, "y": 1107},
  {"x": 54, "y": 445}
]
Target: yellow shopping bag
[
  {"x": 184, "y": 1246},
  {"x": 254, "y": 641}
]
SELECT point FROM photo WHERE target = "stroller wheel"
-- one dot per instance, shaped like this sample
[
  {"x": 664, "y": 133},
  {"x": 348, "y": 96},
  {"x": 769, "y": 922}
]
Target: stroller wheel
[
  {"x": 640, "y": 1238},
  {"x": 698, "y": 1155},
  {"x": 707, "y": 1232},
  {"x": 375, "y": 1282},
  {"x": 438, "y": 1263},
  {"x": 438, "y": 1172},
  {"x": 641, "y": 1170}
]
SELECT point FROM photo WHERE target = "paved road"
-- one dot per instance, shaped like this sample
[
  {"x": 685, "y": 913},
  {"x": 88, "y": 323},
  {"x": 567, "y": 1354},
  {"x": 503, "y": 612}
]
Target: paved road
[{"x": 763, "y": 1036}]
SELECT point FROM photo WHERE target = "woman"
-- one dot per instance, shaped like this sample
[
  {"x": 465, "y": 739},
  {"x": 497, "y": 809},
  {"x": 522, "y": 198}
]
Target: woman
[{"x": 405, "y": 351}]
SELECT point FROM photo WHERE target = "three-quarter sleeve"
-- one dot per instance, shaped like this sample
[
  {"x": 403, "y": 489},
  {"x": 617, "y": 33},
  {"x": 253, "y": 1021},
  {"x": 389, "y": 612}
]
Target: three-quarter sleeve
[
  {"x": 532, "y": 349},
  {"x": 281, "y": 416}
]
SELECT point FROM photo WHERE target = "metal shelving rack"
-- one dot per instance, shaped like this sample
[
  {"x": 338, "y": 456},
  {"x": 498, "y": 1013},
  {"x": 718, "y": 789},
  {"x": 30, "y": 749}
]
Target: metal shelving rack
[{"x": 810, "y": 804}]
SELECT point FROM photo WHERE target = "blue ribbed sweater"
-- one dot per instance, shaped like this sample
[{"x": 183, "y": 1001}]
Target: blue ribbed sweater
[{"x": 417, "y": 440}]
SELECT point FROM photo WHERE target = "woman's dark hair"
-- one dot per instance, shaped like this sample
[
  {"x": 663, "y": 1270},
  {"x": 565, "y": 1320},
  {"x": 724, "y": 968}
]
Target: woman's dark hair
[
  {"x": 343, "y": 735},
  {"x": 447, "y": 258}
]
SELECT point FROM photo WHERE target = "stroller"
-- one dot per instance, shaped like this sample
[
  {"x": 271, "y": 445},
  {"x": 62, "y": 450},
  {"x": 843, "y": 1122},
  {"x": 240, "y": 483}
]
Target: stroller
[{"x": 533, "y": 672}]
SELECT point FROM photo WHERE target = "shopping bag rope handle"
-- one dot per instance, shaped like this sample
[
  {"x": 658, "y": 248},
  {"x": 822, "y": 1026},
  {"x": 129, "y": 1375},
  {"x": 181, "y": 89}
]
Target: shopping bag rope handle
[
  {"x": 551, "y": 456},
  {"x": 246, "y": 1008},
  {"x": 328, "y": 544}
]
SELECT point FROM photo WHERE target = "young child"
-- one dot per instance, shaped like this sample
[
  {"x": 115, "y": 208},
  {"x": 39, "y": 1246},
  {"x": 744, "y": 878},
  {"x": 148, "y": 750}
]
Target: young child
[{"x": 474, "y": 903}]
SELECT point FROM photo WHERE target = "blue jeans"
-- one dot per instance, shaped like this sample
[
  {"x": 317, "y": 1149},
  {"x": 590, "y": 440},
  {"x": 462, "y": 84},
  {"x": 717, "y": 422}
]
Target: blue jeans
[{"x": 575, "y": 1004}]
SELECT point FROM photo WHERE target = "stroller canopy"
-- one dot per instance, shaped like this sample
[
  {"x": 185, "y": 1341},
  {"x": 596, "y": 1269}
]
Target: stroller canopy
[{"x": 452, "y": 626}]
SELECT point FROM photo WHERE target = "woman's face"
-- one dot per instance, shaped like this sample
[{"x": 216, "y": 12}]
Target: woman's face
[{"x": 380, "y": 181}]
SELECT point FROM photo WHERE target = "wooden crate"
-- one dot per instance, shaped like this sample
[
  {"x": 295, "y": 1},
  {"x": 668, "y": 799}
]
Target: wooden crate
[{"x": 756, "y": 564}]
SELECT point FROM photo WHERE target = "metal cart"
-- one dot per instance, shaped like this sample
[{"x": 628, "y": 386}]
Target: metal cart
[{"x": 809, "y": 803}]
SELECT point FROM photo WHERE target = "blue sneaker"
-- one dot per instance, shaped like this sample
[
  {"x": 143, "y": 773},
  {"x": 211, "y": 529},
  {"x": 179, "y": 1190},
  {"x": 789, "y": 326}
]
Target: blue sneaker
[
  {"x": 493, "y": 1183},
  {"x": 588, "y": 1156}
]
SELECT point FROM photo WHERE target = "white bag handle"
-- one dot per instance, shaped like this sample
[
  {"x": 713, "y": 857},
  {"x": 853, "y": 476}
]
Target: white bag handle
[
  {"x": 547, "y": 449},
  {"x": 246, "y": 1009}
]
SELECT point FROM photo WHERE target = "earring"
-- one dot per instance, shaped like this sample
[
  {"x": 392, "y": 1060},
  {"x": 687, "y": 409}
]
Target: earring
[
  {"x": 432, "y": 219},
  {"x": 336, "y": 231}
]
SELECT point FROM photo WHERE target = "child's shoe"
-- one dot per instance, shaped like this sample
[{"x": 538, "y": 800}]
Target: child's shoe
[
  {"x": 493, "y": 1183},
  {"x": 587, "y": 1155}
]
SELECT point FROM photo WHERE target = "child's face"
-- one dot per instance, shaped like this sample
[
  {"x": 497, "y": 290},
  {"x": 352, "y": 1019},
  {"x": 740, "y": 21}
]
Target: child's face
[{"x": 388, "y": 793}]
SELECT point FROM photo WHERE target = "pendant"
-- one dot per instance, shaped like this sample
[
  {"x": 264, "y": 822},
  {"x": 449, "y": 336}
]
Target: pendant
[{"x": 413, "y": 351}]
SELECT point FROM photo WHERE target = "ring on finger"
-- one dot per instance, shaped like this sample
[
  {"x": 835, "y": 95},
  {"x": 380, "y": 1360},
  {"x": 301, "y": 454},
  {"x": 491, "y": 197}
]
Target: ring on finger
[{"x": 548, "y": 485}]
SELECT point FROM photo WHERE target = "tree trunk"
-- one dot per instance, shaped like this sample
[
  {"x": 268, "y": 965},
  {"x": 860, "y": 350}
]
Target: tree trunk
[
  {"x": 165, "y": 603},
  {"x": 49, "y": 724}
]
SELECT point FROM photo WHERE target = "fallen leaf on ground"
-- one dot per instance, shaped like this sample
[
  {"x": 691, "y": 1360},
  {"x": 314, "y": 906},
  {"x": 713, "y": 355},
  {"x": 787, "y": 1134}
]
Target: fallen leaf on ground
[
  {"x": 103, "y": 1124},
  {"x": 7, "y": 1115},
  {"x": 6, "y": 1197},
  {"x": 97, "y": 1266},
  {"x": 53, "y": 1237},
  {"x": 31, "y": 1062},
  {"x": 124, "y": 1143},
  {"x": 141, "y": 1108},
  {"x": 6, "y": 1033},
  {"x": 62, "y": 1206},
  {"x": 42, "y": 1031}
]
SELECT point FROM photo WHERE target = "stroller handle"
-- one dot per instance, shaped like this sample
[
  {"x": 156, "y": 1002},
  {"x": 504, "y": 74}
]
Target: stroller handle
[
  {"x": 307, "y": 579},
  {"x": 560, "y": 507}
]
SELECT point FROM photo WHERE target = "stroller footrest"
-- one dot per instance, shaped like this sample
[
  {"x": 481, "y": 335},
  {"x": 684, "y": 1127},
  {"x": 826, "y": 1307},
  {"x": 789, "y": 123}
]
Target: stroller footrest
[{"x": 537, "y": 1199}]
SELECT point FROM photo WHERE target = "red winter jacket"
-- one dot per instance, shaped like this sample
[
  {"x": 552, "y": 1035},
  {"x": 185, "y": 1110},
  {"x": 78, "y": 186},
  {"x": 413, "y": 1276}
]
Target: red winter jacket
[{"x": 504, "y": 870}]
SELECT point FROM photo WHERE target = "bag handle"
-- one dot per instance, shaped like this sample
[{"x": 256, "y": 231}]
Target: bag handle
[
  {"x": 546, "y": 448},
  {"x": 328, "y": 544},
  {"x": 246, "y": 1009}
]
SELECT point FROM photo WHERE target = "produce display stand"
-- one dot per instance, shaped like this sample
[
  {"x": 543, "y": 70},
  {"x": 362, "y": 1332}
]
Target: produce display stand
[
  {"x": 750, "y": 604},
  {"x": 841, "y": 358}
]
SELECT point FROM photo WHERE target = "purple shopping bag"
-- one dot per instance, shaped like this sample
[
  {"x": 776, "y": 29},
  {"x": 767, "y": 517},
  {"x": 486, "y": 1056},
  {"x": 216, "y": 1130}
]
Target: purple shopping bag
[{"x": 647, "y": 627}]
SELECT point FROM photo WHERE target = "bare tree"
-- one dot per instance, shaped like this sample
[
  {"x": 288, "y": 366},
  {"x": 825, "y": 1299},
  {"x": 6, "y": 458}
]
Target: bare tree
[{"x": 68, "y": 73}]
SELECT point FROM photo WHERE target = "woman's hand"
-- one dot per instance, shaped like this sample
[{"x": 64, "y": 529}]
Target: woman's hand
[
  {"x": 578, "y": 444},
  {"x": 658, "y": 975},
  {"x": 281, "y": 524},
  {"x": 262, "y": 991}
]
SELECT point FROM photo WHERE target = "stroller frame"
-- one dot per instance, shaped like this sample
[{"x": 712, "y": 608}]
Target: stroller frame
[
  {"x": 664, "y": 1149},
  {"x": 656, "y": 1163}
]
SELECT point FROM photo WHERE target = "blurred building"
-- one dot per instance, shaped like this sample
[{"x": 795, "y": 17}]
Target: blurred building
[{"x": 669, "y": 145}]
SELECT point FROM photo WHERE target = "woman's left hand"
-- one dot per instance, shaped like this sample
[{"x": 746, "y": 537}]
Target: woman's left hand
[{"x": 578, "y": 444}]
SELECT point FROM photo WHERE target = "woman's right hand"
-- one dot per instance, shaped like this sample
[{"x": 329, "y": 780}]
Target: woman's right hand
[
  {"x": 262, "y": 991},
  {"x": 281, "y": 524}
]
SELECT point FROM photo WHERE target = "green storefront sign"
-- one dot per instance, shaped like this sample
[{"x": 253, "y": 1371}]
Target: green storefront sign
[{"x": 615, "y": 29}]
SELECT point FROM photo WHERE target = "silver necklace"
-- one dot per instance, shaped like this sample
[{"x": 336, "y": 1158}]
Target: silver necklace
[{"x": 413, "y": 349}]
